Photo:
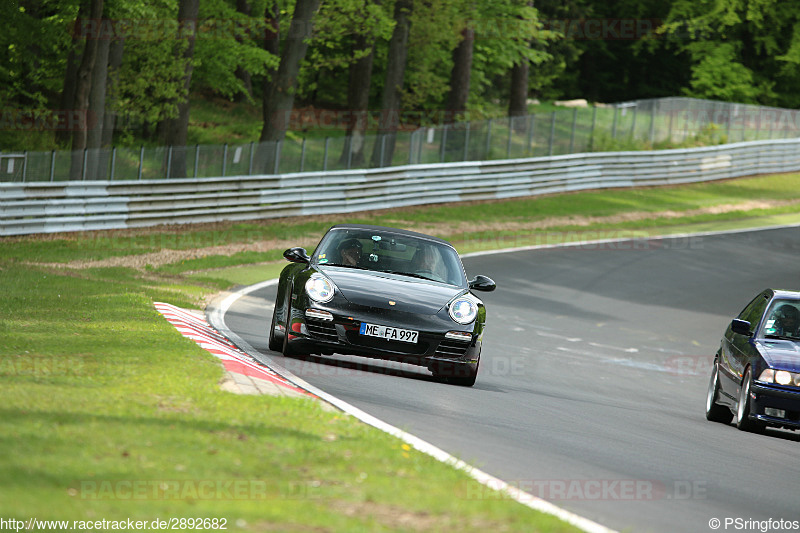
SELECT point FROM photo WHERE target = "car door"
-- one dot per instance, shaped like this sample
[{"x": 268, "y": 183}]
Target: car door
[{"x": 738, "y": 350}]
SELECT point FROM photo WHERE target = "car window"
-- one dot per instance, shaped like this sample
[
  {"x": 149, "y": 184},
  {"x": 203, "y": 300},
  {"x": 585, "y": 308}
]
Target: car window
[
  {"x": 382, "y": 251},
  {"x": 754, "y": 310},
  {"x": 783, "y": 319}
]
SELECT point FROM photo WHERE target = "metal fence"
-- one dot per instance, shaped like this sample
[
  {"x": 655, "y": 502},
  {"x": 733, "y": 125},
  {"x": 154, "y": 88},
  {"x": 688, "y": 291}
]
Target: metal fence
[
  {"x": 643, "y": 124},
  {"x": 91, "y": 205}
]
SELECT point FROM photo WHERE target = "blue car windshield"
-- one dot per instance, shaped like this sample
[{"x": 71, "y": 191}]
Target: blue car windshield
[
  {"x": 382, "y": 251},
  {"x": 782, "y": 320}
]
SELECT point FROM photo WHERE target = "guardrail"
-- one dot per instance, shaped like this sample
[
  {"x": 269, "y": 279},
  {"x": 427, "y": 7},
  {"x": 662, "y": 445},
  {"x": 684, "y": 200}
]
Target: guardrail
[{"x": 27, "y": 208}]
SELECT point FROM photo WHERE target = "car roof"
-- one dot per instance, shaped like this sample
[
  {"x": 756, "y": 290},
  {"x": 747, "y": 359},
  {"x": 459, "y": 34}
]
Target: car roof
[
  {"x": 398, "y": 231},
  {"x": 790, "y": 295}
]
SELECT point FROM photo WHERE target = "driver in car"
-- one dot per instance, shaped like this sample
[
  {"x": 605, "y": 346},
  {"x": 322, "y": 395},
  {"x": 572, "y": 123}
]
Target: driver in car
[
  {"x": 350, "y": 252},
  {"x": 787, "y": 321}
]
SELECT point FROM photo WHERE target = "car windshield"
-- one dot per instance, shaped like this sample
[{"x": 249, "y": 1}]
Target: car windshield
[
  {"x": 382, "y": 251},
  {"x": 782, "y": 320}
]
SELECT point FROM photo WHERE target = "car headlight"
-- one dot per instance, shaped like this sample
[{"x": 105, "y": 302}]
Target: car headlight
[
  {"x": 463, "y": 310},
  {"x": 781, "y": 377},
  {"x": 319, "y": 288}
]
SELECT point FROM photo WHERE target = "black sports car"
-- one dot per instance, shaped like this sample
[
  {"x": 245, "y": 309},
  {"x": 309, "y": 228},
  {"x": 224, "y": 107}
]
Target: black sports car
[
  {"x": 384, "y": 293},
  {"x": 756, "y": 372}
]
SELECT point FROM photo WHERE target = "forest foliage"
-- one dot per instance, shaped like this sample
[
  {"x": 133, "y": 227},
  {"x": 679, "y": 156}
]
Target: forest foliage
[{"x": 97, "y": 72}]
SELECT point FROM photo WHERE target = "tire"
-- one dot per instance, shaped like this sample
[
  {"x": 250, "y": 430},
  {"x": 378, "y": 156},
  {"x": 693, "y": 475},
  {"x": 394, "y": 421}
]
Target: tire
[
  {"x": 274, "y": 344},
  {"x": 286, "y": 348},
  {"x": 714, "y": 411},
  {"x": 450, "y": 373},
  {"x": 743, "y": 421}
]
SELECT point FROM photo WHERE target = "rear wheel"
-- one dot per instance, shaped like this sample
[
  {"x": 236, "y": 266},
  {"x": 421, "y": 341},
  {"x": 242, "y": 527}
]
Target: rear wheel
[
  {"x": 714, "y": 411},
  {"x": 743, "y": 421}
]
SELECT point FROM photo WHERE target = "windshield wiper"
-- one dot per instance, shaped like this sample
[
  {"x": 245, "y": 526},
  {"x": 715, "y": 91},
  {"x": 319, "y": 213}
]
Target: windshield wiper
[
  {"x": 413, "y": 275},
  {"x": 357, "y": 267},
  {"x": 780, "y": 337}
]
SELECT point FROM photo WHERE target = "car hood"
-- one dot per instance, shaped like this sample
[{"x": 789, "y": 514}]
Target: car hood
[
  {"x": 781, "y": 354},
  {"x": 377, "y": 289}
]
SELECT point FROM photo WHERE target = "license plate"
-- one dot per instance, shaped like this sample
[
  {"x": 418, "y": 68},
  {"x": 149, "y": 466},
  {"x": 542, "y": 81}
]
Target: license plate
[{"x": 389, "y": 333}]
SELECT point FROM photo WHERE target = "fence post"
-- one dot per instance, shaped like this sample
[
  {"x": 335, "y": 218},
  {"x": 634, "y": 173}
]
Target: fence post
[
  {"x": 591, "y": 133},
  {"x": 614, "y": 124},
  {"x": 250, "y": 168},
  {"x": 85, "y": 157},
  {"x": 508, "y": 141},
  {"x": 303, "y": 155},
  {"x": 169, "y": 162},
  {"x": 488, "y": 138},
  {"x": 52, "y": 165},
  {"x": 466, "y": 143},
  {"x": 572, "y": 133},
  {"x": 24, "y": 166},
  {"x": 652, "y": 124},
  {"x": 141, "y": 161},
  {"x": 552, "y": 133},
  {"x": 113, "y": 161},
  {"x": 196, "y": 158},
  {"x": 444, "y": 142},
  {"x": 325, "y": 155},
  {"x": 277, "y": 157},
  {"x": 224, "y": 159},
  {"x": 531, "y": 124}
]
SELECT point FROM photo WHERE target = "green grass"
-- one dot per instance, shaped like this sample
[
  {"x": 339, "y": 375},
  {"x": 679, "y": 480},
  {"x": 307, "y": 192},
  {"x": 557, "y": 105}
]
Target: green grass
[{"x": 100, "y": 394}]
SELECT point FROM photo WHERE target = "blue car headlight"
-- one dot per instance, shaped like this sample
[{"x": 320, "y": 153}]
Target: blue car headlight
[
  {"x": 319, "y": 288},
  {"x": 463, "y": 310}
]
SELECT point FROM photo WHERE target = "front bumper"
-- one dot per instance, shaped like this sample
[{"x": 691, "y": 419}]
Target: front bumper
[
  {"x": 339, "y": 333},
  {"x": 775, "y": 397}
]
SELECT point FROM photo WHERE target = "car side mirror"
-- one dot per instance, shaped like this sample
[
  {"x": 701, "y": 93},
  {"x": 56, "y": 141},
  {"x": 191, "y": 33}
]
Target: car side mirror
[
  {"x": 297, "y": 255},
  {"x": 742, "y": 327},
  {"x": 482, "y": 283}
]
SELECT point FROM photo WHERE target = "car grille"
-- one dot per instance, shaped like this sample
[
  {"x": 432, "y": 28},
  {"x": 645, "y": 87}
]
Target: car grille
[
  {"x": 324, "y": 331},
  {"x": 451, "y": 349}
]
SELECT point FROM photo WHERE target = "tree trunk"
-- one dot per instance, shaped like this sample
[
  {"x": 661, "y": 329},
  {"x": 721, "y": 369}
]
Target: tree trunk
[
  {"x": 459, "y": 76},
  {"x": 458, "y": 95},
  {"x": 177, "y": 128},
  {"x": 518, "y": 97},
  {"x": 96, "y": 114},
  {"x": 110, "y": 115},
  {"x": 82, "y": 89},
  {"x": 279, "y": 96},
  {"x": 357, "y": 105},
  {"x": 395, "y": 73},
  {"x": 64, "y": 136},
  {"x": 244, "y": 7}
]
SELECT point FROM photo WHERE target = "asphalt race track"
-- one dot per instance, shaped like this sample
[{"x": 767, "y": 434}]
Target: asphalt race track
[{"x": 593, "y": 378}]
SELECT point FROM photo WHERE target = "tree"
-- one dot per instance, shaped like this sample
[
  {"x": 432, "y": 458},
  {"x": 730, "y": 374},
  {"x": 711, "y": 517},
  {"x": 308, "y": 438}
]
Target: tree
[
  {"x": 279, "y": 94},
  {"x": 176, "y": 129},
  {"x": 740, "y": 51},
  {"x": 82, "y": 90},
  {"x": 389, "y": 118}
]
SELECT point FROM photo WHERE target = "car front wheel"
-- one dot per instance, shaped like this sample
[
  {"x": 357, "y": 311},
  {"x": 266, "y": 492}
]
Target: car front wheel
[
  {"x": 714, "y": 411},
  {"x": 743, "y": 421}
]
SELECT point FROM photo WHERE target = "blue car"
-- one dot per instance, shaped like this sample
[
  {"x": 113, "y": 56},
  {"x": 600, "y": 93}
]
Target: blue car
[{"x": 756, "y": 374}]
